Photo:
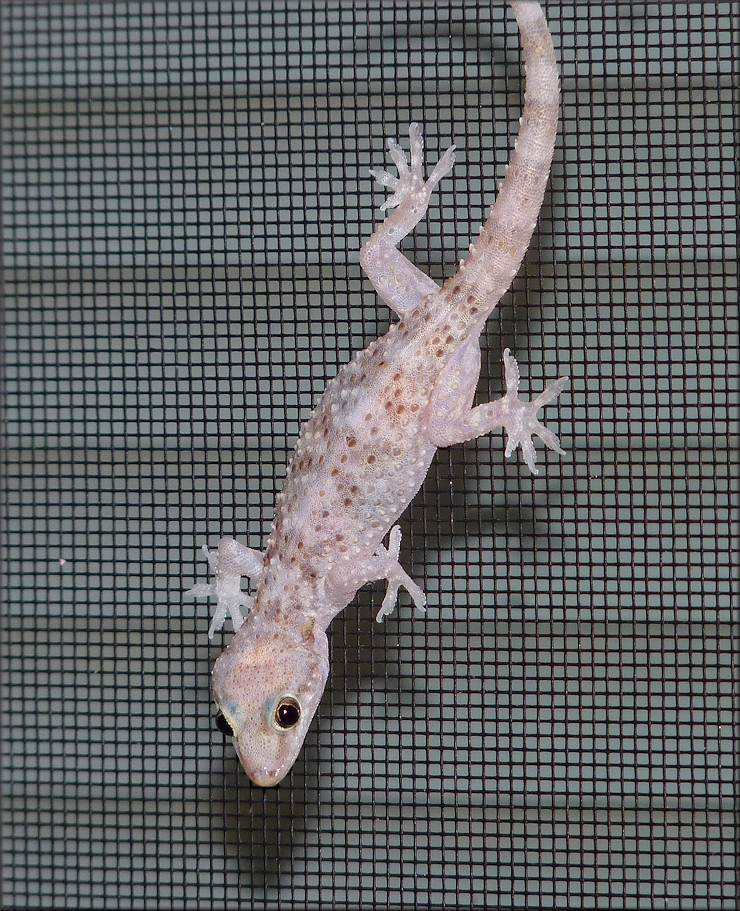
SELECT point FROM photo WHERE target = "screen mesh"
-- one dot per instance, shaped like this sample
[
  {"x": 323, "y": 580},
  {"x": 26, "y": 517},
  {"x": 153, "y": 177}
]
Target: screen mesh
[{"x": 184, "y": 193}]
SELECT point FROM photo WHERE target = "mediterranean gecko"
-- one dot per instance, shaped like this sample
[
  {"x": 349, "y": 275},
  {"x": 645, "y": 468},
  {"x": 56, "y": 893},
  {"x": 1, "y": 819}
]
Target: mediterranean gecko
[{"x": 367, "y": 446}]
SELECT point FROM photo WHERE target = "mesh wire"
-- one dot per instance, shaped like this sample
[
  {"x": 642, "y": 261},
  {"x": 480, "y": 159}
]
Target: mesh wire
[{"x": 184, "y": 194}]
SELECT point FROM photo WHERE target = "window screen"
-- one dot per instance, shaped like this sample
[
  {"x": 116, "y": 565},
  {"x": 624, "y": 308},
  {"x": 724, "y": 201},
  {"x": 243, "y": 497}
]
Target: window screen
[{"x": 185, "y": 190}]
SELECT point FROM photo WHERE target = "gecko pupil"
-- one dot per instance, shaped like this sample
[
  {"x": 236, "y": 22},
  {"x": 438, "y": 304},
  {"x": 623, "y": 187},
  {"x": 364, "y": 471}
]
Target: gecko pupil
[
  {"x": 287, "y": 714},
  {"x": 223, "y": 725}
]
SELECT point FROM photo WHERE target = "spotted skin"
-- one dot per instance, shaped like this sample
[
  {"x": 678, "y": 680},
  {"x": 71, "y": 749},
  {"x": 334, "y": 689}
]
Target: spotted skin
[{"x": 366, "y": 448}]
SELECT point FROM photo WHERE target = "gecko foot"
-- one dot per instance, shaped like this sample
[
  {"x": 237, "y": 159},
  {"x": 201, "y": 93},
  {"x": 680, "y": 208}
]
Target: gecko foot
[
  {"x": 226, "y": 589},
  {"x": 397, "y": 577},
  {"x": 519, "y": 419},
  {"x": 410, "y": 180}
]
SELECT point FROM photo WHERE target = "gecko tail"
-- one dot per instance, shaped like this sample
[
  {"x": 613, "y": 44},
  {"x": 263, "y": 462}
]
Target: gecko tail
[{"x": 495, "y": 258}]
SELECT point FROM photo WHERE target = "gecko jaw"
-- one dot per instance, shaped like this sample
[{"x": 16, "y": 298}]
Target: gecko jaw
[{"x": 266, "y": 775}]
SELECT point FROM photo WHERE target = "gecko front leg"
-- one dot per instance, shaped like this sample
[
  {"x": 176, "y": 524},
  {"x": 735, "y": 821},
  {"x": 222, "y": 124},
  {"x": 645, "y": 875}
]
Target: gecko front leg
[
  {"x": 397, "y": 280},
  {"x": 343, "y": 581},
  {"x": 451, "y": 419},
  {"x": 230, "y": 561}
]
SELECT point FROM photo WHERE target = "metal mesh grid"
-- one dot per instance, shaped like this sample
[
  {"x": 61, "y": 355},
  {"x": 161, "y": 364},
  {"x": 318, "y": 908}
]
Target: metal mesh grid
[{"x": 184, "y": 195}]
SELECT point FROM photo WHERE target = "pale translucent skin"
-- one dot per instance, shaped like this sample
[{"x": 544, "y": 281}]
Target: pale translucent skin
[{"x": 367, "y": 446}]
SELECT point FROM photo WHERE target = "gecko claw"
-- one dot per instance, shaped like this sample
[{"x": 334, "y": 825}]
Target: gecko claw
[
  {"x": 410, "y": 180},
  {"x": 397, "y": 577},
  {"x": 227, "y": 590},
  {"x": 519, "y": 418}
]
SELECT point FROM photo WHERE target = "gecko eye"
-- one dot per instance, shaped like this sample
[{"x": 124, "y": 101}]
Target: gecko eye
[
  {"x": 223, "y": 725},
  {"x": 287, "y": 713}
]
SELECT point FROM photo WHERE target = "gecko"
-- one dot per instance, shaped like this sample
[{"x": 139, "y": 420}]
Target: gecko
[{"x": 365, "y": 449}]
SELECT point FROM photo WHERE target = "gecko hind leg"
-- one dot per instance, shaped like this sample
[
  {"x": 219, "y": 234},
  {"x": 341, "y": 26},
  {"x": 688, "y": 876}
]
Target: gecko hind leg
[
  {"x": 410, "y": 186},
  {"x": 230, "y": 561},
  {"x": 451, "y": 420},
  {"x": 397, "y": 280}
]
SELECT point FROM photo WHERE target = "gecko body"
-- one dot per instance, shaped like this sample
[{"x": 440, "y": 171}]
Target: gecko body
[{"x": 366, "y": 448}]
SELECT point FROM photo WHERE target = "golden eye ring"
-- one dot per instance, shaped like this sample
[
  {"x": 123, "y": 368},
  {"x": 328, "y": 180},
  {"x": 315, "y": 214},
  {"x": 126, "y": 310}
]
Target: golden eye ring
[{"x": 287, "y": 713}]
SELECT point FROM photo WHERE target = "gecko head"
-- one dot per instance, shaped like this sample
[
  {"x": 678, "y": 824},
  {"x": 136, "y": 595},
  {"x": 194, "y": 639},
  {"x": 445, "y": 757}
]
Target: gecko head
[{"x": 267, "y": 686}]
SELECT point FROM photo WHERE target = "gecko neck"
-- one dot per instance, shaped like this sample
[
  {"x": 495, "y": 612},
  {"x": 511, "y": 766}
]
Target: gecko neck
[{"x": 292, "y": 603}]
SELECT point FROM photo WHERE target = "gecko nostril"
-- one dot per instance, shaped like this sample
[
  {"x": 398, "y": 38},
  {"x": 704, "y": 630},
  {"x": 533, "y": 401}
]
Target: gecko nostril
[{"x": 223, "y": 725}]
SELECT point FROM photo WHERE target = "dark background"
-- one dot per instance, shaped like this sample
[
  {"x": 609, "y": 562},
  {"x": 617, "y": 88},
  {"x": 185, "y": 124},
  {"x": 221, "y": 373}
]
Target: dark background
[{"x": 184, "y": 193}]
